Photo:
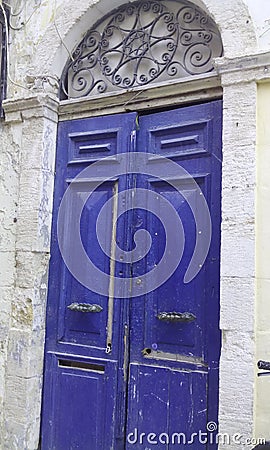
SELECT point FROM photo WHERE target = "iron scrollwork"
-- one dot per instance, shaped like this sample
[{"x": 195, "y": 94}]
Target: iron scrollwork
[{"x": 139, "y": 43}]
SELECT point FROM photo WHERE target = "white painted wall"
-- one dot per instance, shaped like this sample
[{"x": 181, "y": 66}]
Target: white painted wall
[
  {"x": 260, "y": 15},
  {"x": 262, "y": 412}
]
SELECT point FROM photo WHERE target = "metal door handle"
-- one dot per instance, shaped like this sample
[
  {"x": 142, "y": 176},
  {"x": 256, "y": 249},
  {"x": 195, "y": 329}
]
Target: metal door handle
[
  {"x": 176, "y": 317},
  {"x": 85, "y": 307}
]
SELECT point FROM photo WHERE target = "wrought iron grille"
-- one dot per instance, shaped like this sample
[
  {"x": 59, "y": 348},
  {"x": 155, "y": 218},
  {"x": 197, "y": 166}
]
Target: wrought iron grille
[
  {"x": 3, "y": 60},
  {"x": 139, "y": 43}
]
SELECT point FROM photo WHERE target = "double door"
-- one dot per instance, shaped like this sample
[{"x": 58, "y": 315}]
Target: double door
[{"x": 132, "y": 339}]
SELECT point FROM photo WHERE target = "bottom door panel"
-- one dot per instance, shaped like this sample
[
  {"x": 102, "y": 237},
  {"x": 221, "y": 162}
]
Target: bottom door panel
[
  {"x": 80, "y": 410},
  {"x": 167, "y": 408}
]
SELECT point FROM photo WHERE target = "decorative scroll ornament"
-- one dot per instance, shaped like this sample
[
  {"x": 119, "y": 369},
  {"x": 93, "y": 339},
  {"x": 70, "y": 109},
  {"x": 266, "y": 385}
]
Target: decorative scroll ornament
[{"x": 141, "y": 43}]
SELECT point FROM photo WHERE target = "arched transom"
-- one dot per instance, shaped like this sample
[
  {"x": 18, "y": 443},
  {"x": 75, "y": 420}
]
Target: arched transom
[{"x": 141, "y": 43}]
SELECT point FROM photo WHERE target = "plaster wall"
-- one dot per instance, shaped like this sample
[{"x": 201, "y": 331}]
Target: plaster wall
[
  {"x": 262, "y": 412},
  {"x": 28, "y": 142},
  {"x": 237, "y": 263}
]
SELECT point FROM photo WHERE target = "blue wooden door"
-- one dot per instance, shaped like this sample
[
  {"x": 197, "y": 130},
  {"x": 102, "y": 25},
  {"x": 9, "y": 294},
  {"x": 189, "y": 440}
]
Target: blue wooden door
[{"x": 128, "y": 366}]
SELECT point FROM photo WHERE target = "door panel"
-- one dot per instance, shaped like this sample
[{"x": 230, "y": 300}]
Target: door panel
[
  {"x": 175, "y": 296},
  {"x": 90, "y": 146},
  {"x": 165, "y": 353},
  {"x": 188, "y": 139},
  {"x": 83, "y": 407},
  {"x": 75, "y": 327},
  {"x": 171, "y": 407},
  {"x": 83, "y": 398},
  {"x": 124, "y": 369}
]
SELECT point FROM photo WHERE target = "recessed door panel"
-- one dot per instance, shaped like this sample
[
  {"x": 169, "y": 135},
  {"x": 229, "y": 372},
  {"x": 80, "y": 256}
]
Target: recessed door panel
[
  {"x": 92, "y": 145},
  {"x": 188, "y": 139},
  {"x": 75, "y": 325},
  {"x": 172, "y": 405},
  {"x": 82, "y": 403},
  {"x": 166, "y": 333}
]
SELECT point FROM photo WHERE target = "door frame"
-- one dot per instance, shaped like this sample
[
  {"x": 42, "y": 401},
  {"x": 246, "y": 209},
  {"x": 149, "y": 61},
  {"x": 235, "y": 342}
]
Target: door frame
[{"x": 164, "y": 95}]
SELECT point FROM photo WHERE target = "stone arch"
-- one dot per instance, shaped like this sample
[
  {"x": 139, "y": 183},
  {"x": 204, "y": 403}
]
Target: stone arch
[
  {"x": 74, "y": 18},
  {"x": 141, "y": 44}
]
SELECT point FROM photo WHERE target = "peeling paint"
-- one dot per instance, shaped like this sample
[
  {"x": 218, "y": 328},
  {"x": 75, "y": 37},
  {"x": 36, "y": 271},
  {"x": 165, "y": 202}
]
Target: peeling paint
[{"x": 46, "y": 176}]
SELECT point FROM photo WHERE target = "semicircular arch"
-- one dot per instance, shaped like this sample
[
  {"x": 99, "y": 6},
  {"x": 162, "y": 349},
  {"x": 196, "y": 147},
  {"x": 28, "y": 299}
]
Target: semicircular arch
[{"x": 74, "y": 19}]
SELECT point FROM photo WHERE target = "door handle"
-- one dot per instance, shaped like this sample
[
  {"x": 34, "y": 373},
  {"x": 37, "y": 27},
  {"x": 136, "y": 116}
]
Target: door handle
[
  {"x": 85, "y": 308},
  {"x": 176, "y": 317}
]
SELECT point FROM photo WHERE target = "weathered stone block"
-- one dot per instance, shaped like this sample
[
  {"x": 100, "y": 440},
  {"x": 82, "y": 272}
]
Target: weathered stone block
[{"x": 237, "y": 304}]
